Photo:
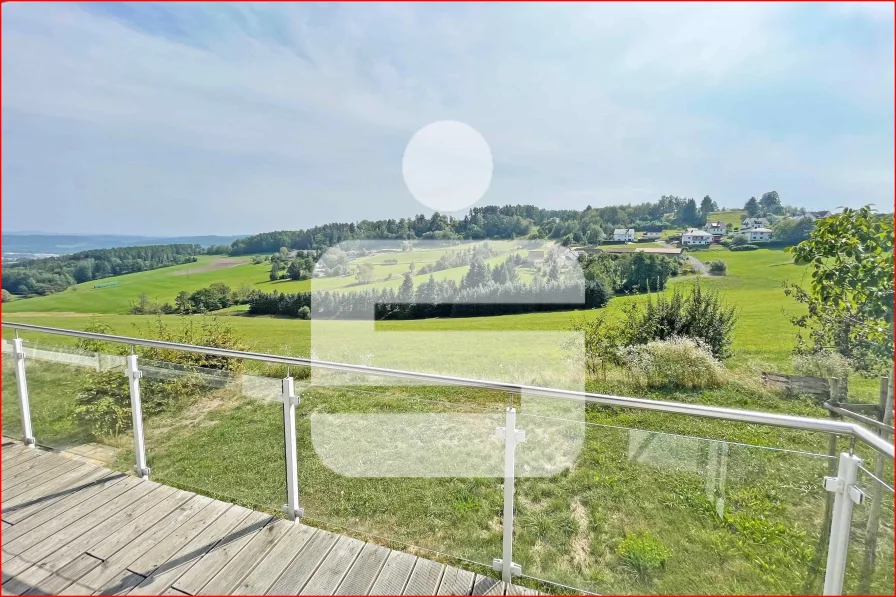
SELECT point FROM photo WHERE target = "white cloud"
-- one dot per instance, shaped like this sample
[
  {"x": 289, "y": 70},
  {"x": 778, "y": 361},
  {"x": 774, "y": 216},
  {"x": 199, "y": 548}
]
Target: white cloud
[{"x": 287, "y": 116}]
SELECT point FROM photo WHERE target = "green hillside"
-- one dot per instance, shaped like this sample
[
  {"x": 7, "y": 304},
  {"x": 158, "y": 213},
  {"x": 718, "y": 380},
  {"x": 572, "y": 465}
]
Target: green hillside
[
  {"x": 162, "y": 285},
  {"x": 732, "y": 218}
]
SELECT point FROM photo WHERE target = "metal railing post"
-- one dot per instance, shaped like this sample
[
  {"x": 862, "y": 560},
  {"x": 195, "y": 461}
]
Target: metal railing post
[
  {"x": 290, "y": 401},
  {"x": 18, "y": 350},
  {"x": 511, "y": 436},
  {"x": 846, "y": 494},
  {"x": 134, "y": 374}
]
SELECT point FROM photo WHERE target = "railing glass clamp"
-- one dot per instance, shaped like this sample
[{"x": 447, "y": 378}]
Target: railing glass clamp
[
  {"x": 299, "y": 512},
  {"x": 515, "y": 569},
  {"x": 519, "y": 435}
]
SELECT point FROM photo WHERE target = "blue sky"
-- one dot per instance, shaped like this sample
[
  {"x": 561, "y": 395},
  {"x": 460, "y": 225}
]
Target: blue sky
[{"x": 240, "y": 118}]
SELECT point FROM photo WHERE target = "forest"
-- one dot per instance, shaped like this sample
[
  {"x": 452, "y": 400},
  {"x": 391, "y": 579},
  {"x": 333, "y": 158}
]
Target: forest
[{"x": 55, "y": 274}]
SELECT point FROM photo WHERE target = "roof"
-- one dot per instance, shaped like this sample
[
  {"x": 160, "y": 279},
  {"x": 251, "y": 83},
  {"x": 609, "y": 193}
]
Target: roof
[
  {"x": 756, "y": 220},
  {"x": 624, "y": 231},
  {"x": 759, "y": 230},
  {"x": 695, "y": 232},
  {"x": 716, "y": 224}
]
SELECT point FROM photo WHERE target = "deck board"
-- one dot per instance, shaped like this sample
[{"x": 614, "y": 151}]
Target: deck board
[
  {"x": 237, "y": 569},
  {"x": 269, "y": 570},
  {"x": 394, "y": 575},
  {"x": 425, "y": 578},
  {"x": 360, "y": 577},
  {"x": 56, "y": 583},
  {"x": 114, "y": 565},
  {"x": 297, "y": 573},
  {"x": 78, "y": 490},
  {"x": 212, "y": 563},
  {"x": 60, "y": 548},
  {"x": 149, "y": 561},
  {"x": 72, "y": 527},
  {"x": 163, "y": 576},
  {"x": 456, "y": 581},
  {"x": 334, "y": 567}
]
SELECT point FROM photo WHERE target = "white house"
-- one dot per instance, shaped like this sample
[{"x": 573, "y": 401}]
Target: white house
[
  {"x": 751, "y": 223},
  {"x": 758, "y": 235},
  {"x": 716, "y": 227},
  {"x": 651, "y": 235},
  {"x": 624, "y": 234},
  {"x": 695, "y": 237}
]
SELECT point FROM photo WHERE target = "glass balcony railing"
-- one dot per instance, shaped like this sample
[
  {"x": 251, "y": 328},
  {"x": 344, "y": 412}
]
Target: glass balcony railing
[{"x": 548, "y": 488}]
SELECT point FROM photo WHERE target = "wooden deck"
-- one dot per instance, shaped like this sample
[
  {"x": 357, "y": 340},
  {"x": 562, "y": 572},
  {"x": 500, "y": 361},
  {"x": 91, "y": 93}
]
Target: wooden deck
[{"x": 71, "y": 527}]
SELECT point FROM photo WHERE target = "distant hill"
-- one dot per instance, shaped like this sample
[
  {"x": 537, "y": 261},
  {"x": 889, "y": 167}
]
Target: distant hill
[{"x": 63, "y": 244}]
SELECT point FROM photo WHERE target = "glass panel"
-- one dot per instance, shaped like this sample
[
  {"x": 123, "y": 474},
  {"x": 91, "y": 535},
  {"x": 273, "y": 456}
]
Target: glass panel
[
  {"x": 69, "y": 393},
  {"x": 217, "y": 431},
  {"x": 869, "y": 564},
  {"x": 644, "y": 512},
  {"x": 12, "y": 422},
  {"x": 416, "y": 465}
]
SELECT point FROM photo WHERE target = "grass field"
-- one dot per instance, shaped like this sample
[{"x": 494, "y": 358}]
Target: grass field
[
  {"x": 732, "y": 218},
  {"x": 736, "y": 517}
]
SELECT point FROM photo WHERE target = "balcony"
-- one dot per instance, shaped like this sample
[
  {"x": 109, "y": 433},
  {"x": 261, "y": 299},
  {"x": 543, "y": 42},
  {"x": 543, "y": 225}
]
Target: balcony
[{"x": 268, "y": 482}]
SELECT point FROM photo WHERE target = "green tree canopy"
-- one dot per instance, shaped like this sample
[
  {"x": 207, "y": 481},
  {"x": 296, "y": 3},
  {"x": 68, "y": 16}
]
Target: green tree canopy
[{"x": 850, "y": 297}]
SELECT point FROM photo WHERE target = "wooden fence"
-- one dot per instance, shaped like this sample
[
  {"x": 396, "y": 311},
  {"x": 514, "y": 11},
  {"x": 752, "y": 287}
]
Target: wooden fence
[{"x": 799, "y": 384}]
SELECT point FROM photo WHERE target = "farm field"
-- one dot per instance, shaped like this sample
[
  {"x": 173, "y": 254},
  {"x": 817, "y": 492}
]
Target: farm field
[{"x": 640, "y": 479}]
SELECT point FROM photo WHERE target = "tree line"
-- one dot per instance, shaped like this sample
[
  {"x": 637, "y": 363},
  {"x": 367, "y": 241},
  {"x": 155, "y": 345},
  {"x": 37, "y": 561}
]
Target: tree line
[
  {"x": 435, "y": 298},
  {"x": 55, "y": 274},
  {"x": 592, "y": 225}
]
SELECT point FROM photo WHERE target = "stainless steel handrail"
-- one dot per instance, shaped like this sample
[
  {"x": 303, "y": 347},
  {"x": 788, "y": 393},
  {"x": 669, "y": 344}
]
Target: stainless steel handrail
[{"x": 711, "y": 412}]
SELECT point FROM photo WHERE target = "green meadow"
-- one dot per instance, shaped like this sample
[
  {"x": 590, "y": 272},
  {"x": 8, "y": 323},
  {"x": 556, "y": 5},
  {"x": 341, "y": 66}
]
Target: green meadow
[{"x": 732, "y": 217}]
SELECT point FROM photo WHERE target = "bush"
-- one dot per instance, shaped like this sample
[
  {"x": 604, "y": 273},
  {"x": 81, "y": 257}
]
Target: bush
[
  {"x": 304, "y": 313},
  {"x": 823, "y": 363},
  {"x": 643, "y": 554},
  {"x": 103, "y": 403},
  {"x": 6, "y": 295},
  {"x": 677, "y": 362},
  {"x": 717, "y": 267},
  {"x": 744, "y": 247},
  {"x": 701, "y": 315}
]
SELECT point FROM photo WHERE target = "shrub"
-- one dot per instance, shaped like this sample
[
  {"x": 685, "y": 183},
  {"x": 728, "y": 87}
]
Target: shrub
[
  {"x": 744, "y": 247},
  {"x": 643, "y": 554},
  {"x": 602, "y": 340},
  {"x": 305, "y": 313},
  {"x": 6, "y": 295},
  {"x": 823, "y": 363},
  {"x": 717, "y": 267},
  {"x": 701, "y": 315},
  {"x": 103, "y": 403},
  {"x": 677, "y": 362}
]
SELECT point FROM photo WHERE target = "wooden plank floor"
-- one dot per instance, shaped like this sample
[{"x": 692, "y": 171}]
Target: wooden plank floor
[{"x": 74, "y": 528}]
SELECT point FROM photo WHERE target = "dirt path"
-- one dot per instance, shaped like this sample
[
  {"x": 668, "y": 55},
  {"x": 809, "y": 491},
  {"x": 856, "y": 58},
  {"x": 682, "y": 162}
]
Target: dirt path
[{"x": 699, "y": 266}]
